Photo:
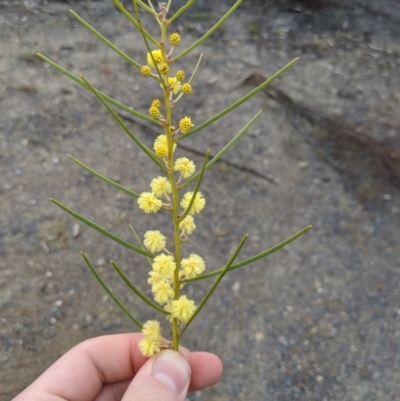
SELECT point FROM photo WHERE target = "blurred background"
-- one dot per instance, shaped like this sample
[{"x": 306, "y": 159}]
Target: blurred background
[{"x": 318, "y": 320}]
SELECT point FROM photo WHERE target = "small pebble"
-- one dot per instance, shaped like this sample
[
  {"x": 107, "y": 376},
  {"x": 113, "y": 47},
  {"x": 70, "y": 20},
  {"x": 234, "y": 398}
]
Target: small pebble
[{"x": 302, "y": 165}]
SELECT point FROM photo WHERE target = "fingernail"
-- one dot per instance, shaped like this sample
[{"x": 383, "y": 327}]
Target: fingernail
[{"x": 171, "y": 369}]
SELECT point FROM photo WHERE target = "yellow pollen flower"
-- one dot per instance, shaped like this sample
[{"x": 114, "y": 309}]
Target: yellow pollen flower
[
  {"x": 185, "y": 124},
  {"x": 149, "y": 203},
  {"x": 182, "y": 308},
  {"x": 187, "y": 225},
  {"x": 192, "y": 266},
  {"x": 155, "y": 278},
  {"x": 184, "y": 166},
  {"x": 154, "y": 241},
  {"x": 161, "y": 146},
  {"x": 180, "y": 75},
  {"x": 172, "y": 129},
  {"x": 186, "y": 88},
  {"x": 163, "y": 292},
  {"x": 175, "y": 39},
  {"x": 156, "y": 103},
  {"x": 174, "y": 85},
  {"x": 164, "y": 68},
  {"x": 157, "y": 55},
  {"x": 145, "y": 70},
  {"x": 154, "y": 112},
  {"x": 198, "y": 204},
  {"x": 160, "y": 186},
  {"x": 165, "y": 264},
  {"x": 149, "y": 347},
  {"x": 152, "y": 330}
]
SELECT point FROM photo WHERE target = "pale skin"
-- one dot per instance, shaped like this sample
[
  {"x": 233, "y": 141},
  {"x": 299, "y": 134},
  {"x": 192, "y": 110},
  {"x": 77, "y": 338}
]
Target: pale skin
[{"x": 111, "y": 368}]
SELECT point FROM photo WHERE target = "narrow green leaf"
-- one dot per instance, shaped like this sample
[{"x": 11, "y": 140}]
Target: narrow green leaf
[
  {"x": 103, "y": 95},
  {"x": 132, "y": 20},
  {"x": 255, "y": 257},
  {"x": 181, "y": 10},
  {"x": 216, "y": 283},
  {"x": 225, "y": 149},
  {"x": 136, "y": 291},
  {"x": 149, "y": 9},
  {"x": 210, "y": 32},
  {"x": 110, "y": 293},
  {"x": 101, "y": 230},
  {"x": 106, "y": 41},
  {"x": 145, "y": 149},
  {"x": 140, "y": 243},
  {"x": 187, "y": 210},
  {"x": 105, "y": 179},
  {"x": 240, "y": 101},
  {"x": 195, "y": 69}
]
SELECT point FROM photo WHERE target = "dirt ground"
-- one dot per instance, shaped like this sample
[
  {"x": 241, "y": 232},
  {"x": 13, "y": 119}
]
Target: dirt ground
[{"x": 318, "y": 320}]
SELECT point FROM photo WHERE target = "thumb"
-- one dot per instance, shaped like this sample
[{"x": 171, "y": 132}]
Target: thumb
[{"x": 165, "y": 377}]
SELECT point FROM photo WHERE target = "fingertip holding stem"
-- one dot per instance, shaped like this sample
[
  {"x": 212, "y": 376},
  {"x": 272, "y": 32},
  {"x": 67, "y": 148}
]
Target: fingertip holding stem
[
  {"x": 165, "y": 377},
  {"x": 172, "y": 370}
]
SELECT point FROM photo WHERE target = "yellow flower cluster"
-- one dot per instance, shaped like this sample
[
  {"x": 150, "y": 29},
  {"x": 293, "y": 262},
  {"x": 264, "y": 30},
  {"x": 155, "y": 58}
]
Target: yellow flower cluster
[
  {"x": 151, "y": 342},
  {"x": 180, "y": 75},
  {"x": 165, "y": 267},
  {"x": 155, "y": 55},
  {"x": 149, "y": 203},
  {"x": 184, "y": 166},
  {"x": 192, "y": 266},
  {"x": 198, "y": 204},
  {"x": 154, "y": 112},
  {"x": 175, "y": 39},
  {"x": 186, "y": 88},
  {"x": 161, "y": 146},
  {"x": 145, "y": 70},
  {"x": 185, "y": 124},
  {"x": 187, "y": 225},
  {"x": 154, "y": 241}
]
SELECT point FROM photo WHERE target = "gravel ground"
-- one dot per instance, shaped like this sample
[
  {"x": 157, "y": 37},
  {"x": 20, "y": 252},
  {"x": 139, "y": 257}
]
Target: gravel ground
[{"x": 318, "y": 320}]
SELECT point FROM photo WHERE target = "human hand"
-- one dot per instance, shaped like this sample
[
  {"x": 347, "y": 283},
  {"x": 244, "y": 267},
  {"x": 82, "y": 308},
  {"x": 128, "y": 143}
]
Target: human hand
[{"x": 111, "y": 368}]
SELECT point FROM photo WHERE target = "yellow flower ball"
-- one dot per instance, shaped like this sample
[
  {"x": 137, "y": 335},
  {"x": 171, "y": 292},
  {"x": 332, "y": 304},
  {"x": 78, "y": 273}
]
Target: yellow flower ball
[
  {"x": 157, "y": 56},
  {"x": 192, "y": 266},
  {"x": 198, "y": 204},
  {"x": 164, "y": 264},
  {"x": 186, "y": 88},
  {"x": 152, "y": 330},
  {"x": 182, "y": 308},
  {"x": 185, "y": 124},
  {"x": 156, "y": 103},
  {"x": 161, "y": 146},
  {"x": 184, "y": 166},
  {"x": 162, "y": 292},
  {"x": 149, "y": 203},
  {"x": 160, "y": 186},
  {"x": 154, "y": 112},
  {"x": 175, "y": 39},
  {"x": 187, "y": 225},
  {"x": 154, "y": 241},
  {"x": 164, "y": 68},
  {"x": 174, "y": 85},
  {"x": 149, "y": 347},
  {"x": 180, "y": 75},
  {"x": 145, "y": 70}
]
